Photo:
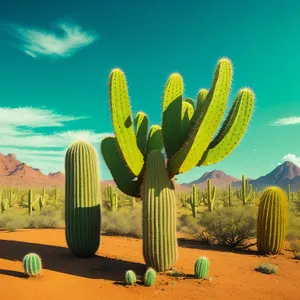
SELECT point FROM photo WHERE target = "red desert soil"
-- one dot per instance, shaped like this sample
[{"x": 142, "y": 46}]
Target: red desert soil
[{"x": 67, "y": 277}]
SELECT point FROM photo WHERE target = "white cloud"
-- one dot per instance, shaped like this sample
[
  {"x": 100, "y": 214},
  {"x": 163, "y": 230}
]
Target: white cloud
[
  {"x": 293, "y": 158},
  {"x": 40, "y": 150},
  {"x": 286, "y": 121},
  {"x": 40, "y": 42}
]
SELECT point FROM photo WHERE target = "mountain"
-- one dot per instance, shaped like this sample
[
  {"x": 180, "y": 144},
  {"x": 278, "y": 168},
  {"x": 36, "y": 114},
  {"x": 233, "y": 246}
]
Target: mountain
[
  {"x": 282, "y": 175},
  {"x": 17, "y": 173},
  {"x": 217, "y": 177}
]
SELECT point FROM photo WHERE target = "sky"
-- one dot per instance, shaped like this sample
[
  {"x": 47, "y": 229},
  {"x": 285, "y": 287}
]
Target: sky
[{"x": 56, "y": 56}]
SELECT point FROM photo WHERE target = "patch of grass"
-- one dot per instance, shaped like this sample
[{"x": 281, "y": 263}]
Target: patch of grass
[
  {"x": 123, "y": 222},
  {"x": 267, "y": 268}
]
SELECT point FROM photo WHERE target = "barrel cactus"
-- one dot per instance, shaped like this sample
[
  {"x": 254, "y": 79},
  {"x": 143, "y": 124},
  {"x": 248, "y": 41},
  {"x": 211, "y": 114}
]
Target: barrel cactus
[
  {"x": 32, "y": 264},
  {"x": 150, "y": 277},
  {"x": 130, "y": 278},
  {"x": 187, "y": 135},
  {"x": 82, "y": 203},
  {"x": 201, "y": 267},
  {"x": 272, "y": 220}
]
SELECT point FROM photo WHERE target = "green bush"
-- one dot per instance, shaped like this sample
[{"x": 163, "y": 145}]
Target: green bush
[{"x": 267, "y": 268}]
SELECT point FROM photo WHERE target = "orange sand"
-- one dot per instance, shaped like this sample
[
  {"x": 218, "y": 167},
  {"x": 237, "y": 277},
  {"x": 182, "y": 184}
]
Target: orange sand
[{"x": 67, "y": 277}]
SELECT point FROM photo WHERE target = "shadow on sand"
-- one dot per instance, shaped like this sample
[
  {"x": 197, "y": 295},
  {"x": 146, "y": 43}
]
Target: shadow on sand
[
  {"x": 193, "y": 244},
  {"x": 61, "y": 260}
]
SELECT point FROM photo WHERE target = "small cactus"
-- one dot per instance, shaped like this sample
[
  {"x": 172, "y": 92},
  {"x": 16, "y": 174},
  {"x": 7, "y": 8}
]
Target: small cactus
[
  {"x": 130, "y": 278},
  {"x": 201, "y": 267},
  {"x": 150, "y": 277},
  {"x": 32, "y": 264}
]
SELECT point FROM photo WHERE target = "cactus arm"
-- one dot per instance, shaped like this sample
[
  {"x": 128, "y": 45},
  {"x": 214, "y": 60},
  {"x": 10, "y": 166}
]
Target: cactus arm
[
  {"x": 171, "y": 117},
  {"x": 200, "y": 103},
  {"x": 232, "y": 130},
  {"x": 187, "y": 112},
  {"x": 119, "y": 170},
  {"x": 122, "y": 122},
  {"x": 205, "y": 126},
  {"x": 190, "y": 101},
  {"x": 141, "y": 129},
  {"x": 154, "y": 141}
]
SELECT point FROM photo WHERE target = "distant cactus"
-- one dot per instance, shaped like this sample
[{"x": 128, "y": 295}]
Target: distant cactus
[
  {"x": 194, "y": 201},
  {"x": 32, "y": 265},
  {"x": 130, "y": 278},
  {"x": 272, "y": 220},
  {"x": 201, "y": 267},
  {"x": 34, "y": 201},
  {"x": 114, "y": 202},
  {"x": 230, "y": 194},
  {"x": 246, "y": 191},
  {"x": 211, "y": 193},
  {"x": 150, "y": 277},
  {"x": 82, "y": 203}
]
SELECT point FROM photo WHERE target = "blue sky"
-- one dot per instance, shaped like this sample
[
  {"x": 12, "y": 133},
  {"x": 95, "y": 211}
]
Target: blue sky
[{"x": 56, "y": 57}]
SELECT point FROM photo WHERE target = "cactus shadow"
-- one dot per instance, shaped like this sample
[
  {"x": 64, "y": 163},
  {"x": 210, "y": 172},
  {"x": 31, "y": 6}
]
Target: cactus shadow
[
  {"x": 12, "y": 273},
  {"x": 60, "y": 259},
  {"x": 194, "y": 244}
]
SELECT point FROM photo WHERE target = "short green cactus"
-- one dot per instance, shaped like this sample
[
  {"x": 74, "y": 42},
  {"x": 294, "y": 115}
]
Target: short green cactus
[
  {"x": 272, "y": 220},
  {"x": 32, "y": 264},
  {"x": 201, "y": 267},
  {"x": 82, "y": 203},
  {"x": 150, "y": 277},
  {"x": 130, "y": 278}
]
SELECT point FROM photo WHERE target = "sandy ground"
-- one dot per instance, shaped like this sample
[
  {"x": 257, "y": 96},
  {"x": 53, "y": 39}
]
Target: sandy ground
[{"x": 233, "y": 275}]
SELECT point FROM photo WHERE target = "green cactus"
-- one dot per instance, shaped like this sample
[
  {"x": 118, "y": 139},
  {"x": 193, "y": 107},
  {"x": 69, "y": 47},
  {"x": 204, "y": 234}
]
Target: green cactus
[
  {"x": 32, "y": 264},
  {"x": 34, "y": 201},
  {"x": 130, "y": 278},
  {"x": 210, "y": 195},
  {"x": 114, "y": 202},
  {"x": 196, "y": 147},
  {"x": 230, "y": 194},
  {"x": 201, "y": 267},
  {"x": 246, "y": 191},
  {"x": 289, "y": 193},
  {"x": 150, "y": 277},
  {"x": 159, "y": 215},
  {"x": 194, "y": 201},
  {"x": 56, "y": 195},
  {"x": 82, "y": 203},
  {"x": 272, "y": 220},
  {"x": 141, "y": 130}
]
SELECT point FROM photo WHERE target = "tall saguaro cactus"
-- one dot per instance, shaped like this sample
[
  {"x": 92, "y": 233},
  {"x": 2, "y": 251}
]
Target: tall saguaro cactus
[
  {"x": 272, "y": 220},
  {"x": 187, "y": 132},
  {"x": 159, "y": 215},
  {"x": 246, "y": 191},
  {"x": 194, "y": 201},
  {"x": 82, "y": 203}
]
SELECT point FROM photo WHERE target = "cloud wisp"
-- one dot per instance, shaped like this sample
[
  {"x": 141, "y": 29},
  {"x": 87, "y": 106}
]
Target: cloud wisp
[
  {"x": 38, "y": 42},
  {"x": 286, "y": 121},
  {"x": 291, "y": 157},
  {"x": 19, "y": 135}
]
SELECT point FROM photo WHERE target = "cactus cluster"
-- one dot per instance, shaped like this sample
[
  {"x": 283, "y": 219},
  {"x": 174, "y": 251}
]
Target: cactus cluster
[{"x": 187, "y": 135}]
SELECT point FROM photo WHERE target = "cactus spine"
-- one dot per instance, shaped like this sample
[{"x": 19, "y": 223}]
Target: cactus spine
[
  {"x": 124, "y": 154},
  {"x": 32, "y": 264},
  {"x": 272, "y": 220},
  {"x": 82, "y": 203},
  {"x": 159, "y": 215}
]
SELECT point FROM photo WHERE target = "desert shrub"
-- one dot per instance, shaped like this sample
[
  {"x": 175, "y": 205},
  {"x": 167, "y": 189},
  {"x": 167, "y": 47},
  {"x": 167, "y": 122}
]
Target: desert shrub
[
  {"x": 231, "y": 226},
  {"x": 295, "y": 246},
  {"x": 46, "y": 218},
  {"x": 293, "y": 228},
  {"x": 12, "y": 220},
  {"x": 127, "y": 222},
  {"x": 267, "y": 268}
]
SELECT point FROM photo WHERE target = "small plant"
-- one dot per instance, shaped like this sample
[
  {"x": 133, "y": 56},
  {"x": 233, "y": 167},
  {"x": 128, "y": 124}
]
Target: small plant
[
  {"x": 150, "y": 277},
  {"x": 267, "y": 268},
  {"x": 32, "y": 264},
  {"x": 201, "y": 267},
  {"x": 295, "y": 245},
  {"x": 130, "y": 278}
]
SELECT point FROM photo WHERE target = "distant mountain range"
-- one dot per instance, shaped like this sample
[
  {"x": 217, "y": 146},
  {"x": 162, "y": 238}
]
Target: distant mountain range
[
  {"x": 14, "y": 172},
  {"x": 282, "y": 175}
]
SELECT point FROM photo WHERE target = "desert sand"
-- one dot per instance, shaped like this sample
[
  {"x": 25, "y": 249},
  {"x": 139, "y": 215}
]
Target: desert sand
[{"x": 232, "y": 274}]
